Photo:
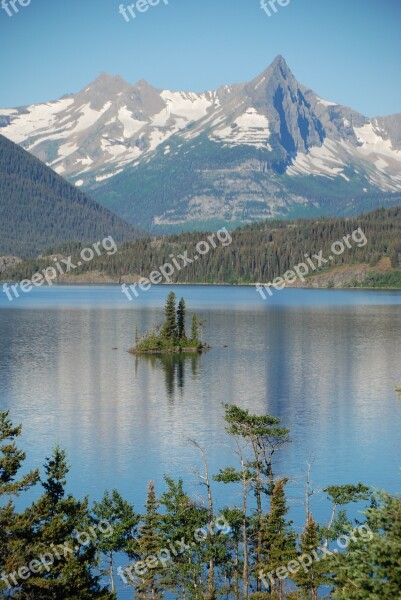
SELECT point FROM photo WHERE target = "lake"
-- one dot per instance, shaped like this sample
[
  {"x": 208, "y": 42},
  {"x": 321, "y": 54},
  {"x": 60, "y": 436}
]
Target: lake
[{"x": 325, "y": 362}]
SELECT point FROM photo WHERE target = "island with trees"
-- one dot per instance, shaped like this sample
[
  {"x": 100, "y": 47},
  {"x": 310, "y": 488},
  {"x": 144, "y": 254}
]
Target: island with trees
[{"x": 171, "y": 337}]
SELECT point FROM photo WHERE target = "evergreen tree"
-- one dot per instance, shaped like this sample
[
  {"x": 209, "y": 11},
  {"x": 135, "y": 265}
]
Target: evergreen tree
[
  {"x": 57, "y": 527},
  {"x": 316, "y": 574},
  {"x": 265, "y": 435},
  {"x": 149, "y": 543},
  {"x": 181, "y": 319},
  {"x": 185, "y": 576},
  {"x": 123, "y": 520},
  {"x": 56, "y": 470},
  {"x": 170, "y": 323},
  {"x": 278, "y": 538},
  {"x": 11, "y": 459},
  {"x": 341, "y": 495},
  {"x": 371, "y": 566},
  {"x": 238, "y": 518}
]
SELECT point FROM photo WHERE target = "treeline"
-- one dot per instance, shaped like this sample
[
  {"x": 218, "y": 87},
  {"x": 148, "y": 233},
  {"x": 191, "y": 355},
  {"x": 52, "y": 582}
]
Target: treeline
[
  {"x": 258, "y": 252},
  {"x": 62, "y": 548},
  {"x": 39, "y": 208}
]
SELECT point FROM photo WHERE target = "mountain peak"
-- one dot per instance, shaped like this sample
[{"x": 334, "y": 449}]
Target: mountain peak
[
  {"x": 144, "y": 85},
  {"x": 279, "y": 61},
  {"x": 279, "y": 67},
  {"x": 105, "y": 83},
  {"x": 106, "y": 78}
]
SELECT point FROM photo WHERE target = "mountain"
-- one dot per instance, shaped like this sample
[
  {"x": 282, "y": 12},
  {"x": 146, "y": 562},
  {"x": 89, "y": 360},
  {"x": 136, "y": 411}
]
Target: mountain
[
  {"x": 173, "y": 160},
  {"x": 39, "y": 209},
  {"x": 258, "y": 252},
  {"x": 91, "y": 136}
]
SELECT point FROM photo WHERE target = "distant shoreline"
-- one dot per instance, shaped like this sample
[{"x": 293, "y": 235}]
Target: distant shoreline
[{"x": 236, "y": 285}]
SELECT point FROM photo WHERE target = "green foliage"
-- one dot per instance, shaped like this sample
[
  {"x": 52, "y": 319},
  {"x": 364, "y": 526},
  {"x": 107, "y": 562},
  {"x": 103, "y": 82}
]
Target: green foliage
[
  {"x": 316, "y": 575},
  {"x": 344, "y": 494},
  {"x": 258, "y": 252},
  {"x": 122, "y": 521},
  {"x": 371, "y": 566},
  {"x": 171, "y": 335},
  {"x": 39, "y": 209},
  {"x": 56, "y": 520},
  {"x": 182, "y": 518},
  {"x": 181, "y": 313},
  {"x": 11, "y": 460},
  {"x": 277, "y": 537},
  {"x": 169, "y": 331},
  {"x": 147, "y": 544},
  {"x": 208, "y": 562}
]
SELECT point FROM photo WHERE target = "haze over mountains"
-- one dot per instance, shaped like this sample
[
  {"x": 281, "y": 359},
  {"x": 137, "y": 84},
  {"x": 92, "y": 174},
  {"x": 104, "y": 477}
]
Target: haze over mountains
[{"x": 179, "y": 160}]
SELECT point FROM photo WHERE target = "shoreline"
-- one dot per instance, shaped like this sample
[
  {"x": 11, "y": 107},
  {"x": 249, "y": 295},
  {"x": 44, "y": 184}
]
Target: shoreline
[{"x": 237, "y": 285}]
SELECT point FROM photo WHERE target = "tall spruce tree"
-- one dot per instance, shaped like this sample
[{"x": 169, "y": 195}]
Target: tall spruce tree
[
  {"x": 56, "y": 527},
  {"x": 181, "y": 319},
  {"x": 278, "y": 537},
  {"x": 170, "y": 321},
  {"x": 149, "y": 543},
  {"x": 316, "y": 575}
]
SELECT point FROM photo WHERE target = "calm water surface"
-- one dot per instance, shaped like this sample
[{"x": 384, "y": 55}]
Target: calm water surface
[{"x": 326, "y": 362}]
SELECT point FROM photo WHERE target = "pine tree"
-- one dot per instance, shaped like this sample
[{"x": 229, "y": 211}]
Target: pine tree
[
  {"x": 278, "y": 538},
  {"x": 123, "y": 520},
  {"x": 181, "y": 319},
  {"x": 11, "y": 459},
  {"x": 371, "y": 566},
  {"x": 181, "y": 520},
  {"x": 148, "y": 544},
  {"x": 316, "y": 574},
  {"x": 56, "y": 470},
  {"x": 170, "y": 323},
  {"x": 265, "y": 436},
  {"x": 57, "y": 526}
]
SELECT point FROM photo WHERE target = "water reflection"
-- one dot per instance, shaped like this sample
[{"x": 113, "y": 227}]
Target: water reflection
[{"x": 173, "y": 366}]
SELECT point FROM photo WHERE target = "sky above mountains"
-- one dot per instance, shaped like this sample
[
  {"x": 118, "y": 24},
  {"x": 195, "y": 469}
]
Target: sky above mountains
[{"x": 348, "y": 51}]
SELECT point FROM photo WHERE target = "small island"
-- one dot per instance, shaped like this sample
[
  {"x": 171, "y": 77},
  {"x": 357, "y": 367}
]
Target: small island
[{"x": 171, "y": 336}]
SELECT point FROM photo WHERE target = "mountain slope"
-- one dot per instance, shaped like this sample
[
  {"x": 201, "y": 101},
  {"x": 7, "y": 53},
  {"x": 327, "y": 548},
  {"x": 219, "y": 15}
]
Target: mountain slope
[
  {"x": 272, "y": 148},
  {"x": 92, "y": 135},
  {"x": 179, "y": 160},
  {"x": 39, "y": 209},
  {"x": 258, "y": 253}
]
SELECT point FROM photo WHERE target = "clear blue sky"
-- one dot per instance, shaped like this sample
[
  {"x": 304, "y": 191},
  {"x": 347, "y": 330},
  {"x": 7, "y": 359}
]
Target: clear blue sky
[{"x": 348, "y": 51}]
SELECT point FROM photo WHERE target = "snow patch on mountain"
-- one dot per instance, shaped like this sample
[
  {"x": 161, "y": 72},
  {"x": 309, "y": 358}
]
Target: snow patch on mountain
[
  {"x": 34, "y": 119},
  {"x": 249, "y": 129},
  {"x": 130, "y": 125},
  {"x": 324, "y": 160},
  {"x": 326, "y": 102},
  {"x": 190, "y": 106}
]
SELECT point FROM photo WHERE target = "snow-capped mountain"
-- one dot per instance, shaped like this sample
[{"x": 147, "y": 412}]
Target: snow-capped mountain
[
  {"x": 269, "y": 147},
  {"x": 94, "y": 134}
]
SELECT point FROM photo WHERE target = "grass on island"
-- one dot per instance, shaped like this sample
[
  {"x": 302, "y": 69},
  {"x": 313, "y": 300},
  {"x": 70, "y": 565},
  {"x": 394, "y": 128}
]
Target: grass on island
[{"x": 171, "y": 336}]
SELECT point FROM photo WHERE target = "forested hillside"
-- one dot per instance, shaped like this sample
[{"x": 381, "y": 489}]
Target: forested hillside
[
  {"x": 39, "y": 208},
  {"x": 257, "y": 253}
]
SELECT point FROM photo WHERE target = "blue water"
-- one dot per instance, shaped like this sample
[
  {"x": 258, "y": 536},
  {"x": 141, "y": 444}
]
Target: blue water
[{"x": 326, "y": 362}]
